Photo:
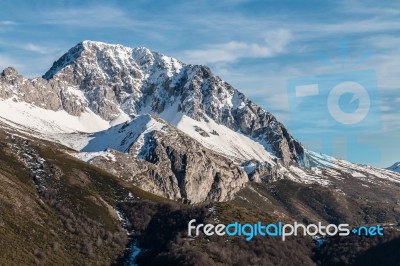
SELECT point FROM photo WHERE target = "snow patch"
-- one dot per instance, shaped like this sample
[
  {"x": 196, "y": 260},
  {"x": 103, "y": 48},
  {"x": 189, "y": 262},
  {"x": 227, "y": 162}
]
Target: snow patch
[
  {"x": 226, "y": 142},
  {"x": 48, "y": 121},
  {"x": 89, "y": 156}
]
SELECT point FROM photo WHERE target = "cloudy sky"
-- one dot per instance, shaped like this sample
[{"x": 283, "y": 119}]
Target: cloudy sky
[{"x": 258, "y": 46}]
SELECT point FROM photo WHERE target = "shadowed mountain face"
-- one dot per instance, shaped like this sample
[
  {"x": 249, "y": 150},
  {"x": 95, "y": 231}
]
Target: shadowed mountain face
[
  {"x": 148, "y": 129},
  {"x": 395, "y": 167}
]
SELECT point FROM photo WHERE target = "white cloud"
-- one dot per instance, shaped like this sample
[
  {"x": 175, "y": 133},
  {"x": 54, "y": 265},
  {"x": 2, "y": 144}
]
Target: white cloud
[
  {"x": 36, "y": 48},
  {"x": 274, "y": 43},
  {"x": 7, "y": 22}
]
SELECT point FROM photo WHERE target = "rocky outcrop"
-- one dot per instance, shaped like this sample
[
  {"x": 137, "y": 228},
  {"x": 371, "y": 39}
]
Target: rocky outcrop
[
  {"x": 169, "y": 163},
  {"x": 199, "y": 173},
  {"x": 261, "y": 172},
  {"x": 52, "y": 95}
]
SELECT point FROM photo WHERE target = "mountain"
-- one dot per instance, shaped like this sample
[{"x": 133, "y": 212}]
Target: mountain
[
  {"x": 112, "y": 140},
  {"x": 395, "y": 167},
  {"x": 113, "y": 81},
  {"x": 118, "y": 79},
  {"x": 95, "y": 86},
  {"x": 196, "y": 137}
]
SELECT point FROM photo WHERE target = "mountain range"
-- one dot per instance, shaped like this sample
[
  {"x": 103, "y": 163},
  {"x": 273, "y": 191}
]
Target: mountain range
[{"x": 179, "y": 132}]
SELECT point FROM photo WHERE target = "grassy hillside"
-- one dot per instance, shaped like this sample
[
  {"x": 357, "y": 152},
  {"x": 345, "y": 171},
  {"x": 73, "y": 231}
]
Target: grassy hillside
[{"x": 63, "y": 212}]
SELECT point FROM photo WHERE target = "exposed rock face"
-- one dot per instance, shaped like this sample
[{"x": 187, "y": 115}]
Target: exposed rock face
[
  {"x": 261, "y": 172},
  {"x": 200, "y": 174},
  {"x": 52, "y": 95},
  {"x": 173, "y": 165}
]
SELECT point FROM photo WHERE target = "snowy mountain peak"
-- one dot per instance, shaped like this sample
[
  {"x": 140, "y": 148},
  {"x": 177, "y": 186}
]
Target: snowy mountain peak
[
  {"x": 105, "y": 57},
  {"x": 65, "y": 60},
  {"x": 101, "y": 46},
  {"x": 114, "y": 81},
  {"x": 88, "y": 44}
]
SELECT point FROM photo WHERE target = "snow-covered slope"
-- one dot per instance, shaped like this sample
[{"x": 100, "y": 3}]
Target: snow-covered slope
[
  {"x": 32, "y": 118},
  {"x": 124, "y": 136},
  {"x": 338, "y": 169},
  {"x": 57, "y": 125},
  {"x": 225, "y": 141}
]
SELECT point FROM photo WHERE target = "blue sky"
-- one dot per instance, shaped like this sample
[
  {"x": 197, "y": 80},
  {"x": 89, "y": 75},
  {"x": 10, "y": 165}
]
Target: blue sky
[{"x": 257, "y": 46}]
